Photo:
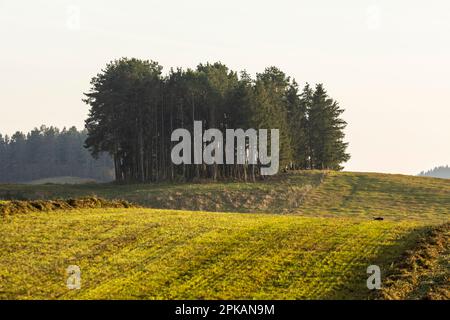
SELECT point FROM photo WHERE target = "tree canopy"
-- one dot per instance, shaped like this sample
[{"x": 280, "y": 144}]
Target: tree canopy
[{"x": 134, "y": 108}]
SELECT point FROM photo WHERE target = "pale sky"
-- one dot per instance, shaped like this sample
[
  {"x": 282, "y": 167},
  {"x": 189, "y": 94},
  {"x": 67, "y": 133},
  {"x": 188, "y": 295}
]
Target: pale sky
[{"x": 387, "y": 62}]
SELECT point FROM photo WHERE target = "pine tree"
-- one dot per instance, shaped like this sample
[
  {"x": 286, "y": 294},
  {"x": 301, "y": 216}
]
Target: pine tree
[
  {"x": 326, "y": 130},
  {"x": 125, "y": 101},
  {"x": 297, "y": 110},
  {"x": 271, "y": 111}
]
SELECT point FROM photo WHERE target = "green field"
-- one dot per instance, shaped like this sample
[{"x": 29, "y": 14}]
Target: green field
[
  {"x": 313, "y": 238},
  {"x": 310, "y": 193},
  {"x": 158, "y": 254}
]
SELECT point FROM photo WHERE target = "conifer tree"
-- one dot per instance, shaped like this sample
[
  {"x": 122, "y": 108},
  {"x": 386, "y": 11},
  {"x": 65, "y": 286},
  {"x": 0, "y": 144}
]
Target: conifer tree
[
  {"x": 326, "y": 130},
  {"x": 297, "y": 111}
]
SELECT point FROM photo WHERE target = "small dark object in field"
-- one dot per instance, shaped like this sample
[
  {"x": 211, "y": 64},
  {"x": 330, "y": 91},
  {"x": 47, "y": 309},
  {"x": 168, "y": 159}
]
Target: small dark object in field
[{"x": 378, "y": 218}]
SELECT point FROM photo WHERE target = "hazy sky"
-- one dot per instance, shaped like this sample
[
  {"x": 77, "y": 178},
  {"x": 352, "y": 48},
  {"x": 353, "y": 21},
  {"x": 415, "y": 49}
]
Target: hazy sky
[{"x": 386, "y": 62}]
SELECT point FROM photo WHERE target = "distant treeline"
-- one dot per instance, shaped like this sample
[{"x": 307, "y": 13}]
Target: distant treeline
[
  {"x": 437, "y": 172},
  {"x": 49, "y": 152},
  {"x": 134, "y": 110}
]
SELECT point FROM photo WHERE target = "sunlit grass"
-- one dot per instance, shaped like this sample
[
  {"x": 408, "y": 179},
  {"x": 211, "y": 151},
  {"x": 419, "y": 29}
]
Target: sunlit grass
[
  {"x": 159, "y": 254},
  {"x": 309, "y": 193}
]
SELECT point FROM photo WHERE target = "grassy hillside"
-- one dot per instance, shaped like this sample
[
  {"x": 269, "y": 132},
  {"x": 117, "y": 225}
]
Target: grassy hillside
[
  {"x": 160, "y": 254},
  {"x": 311, "y": 235},
  {"x": 315, "y": 193}
]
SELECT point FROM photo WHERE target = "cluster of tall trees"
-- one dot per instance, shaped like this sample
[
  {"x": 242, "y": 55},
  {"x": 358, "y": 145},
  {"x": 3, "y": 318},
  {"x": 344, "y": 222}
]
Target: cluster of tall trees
[
  {"x": 49, "y": 152},
  {"x": 134, "y": 108}
]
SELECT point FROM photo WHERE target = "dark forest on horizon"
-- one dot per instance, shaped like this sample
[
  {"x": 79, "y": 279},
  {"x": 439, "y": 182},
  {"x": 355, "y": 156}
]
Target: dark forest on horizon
[{"x": 47, "y": 152}]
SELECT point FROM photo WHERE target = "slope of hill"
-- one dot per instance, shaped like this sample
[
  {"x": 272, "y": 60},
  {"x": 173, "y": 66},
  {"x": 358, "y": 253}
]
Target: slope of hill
[
  {"x": 161, "y": 254},
  {"x": 311, "y": 193},
  {"x": 291, "y": 249}
]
